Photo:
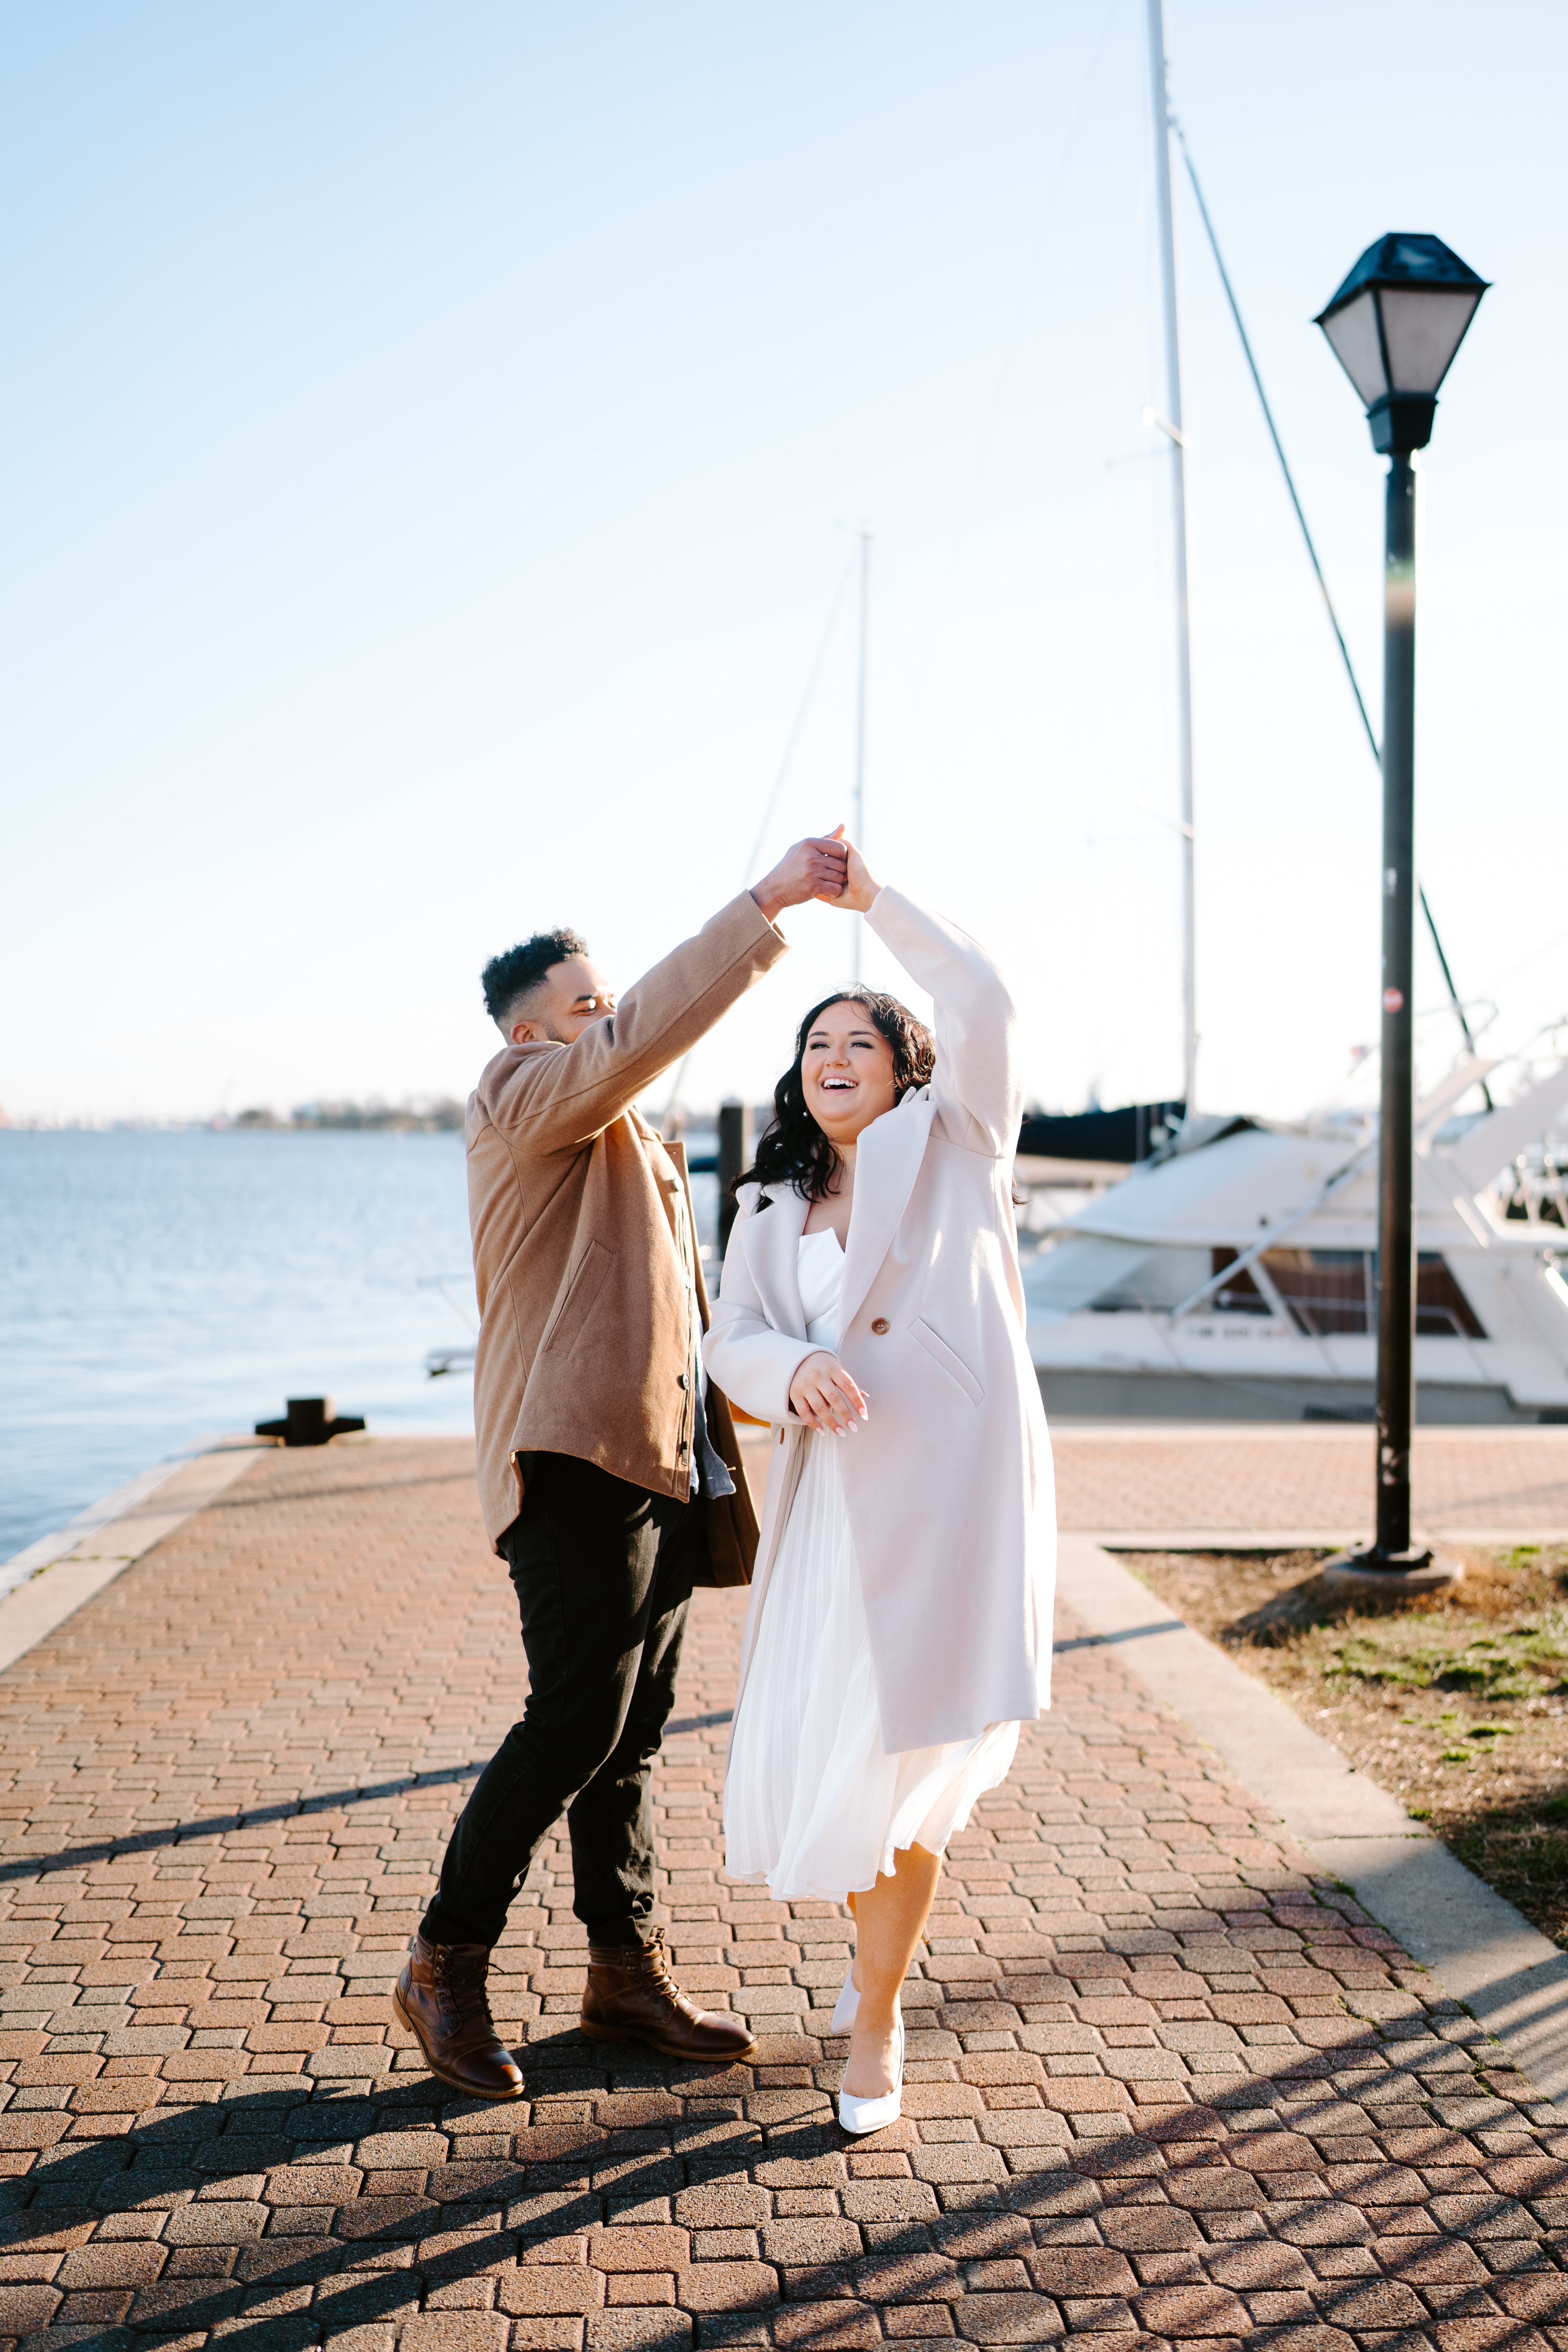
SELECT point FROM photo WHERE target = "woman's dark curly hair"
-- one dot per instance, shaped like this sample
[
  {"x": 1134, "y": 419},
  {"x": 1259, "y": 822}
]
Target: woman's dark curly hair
[{"x": 793, "y": 1149}]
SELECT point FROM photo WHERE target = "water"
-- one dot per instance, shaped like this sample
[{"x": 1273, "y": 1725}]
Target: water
[{"x": 156, "y": 1288}]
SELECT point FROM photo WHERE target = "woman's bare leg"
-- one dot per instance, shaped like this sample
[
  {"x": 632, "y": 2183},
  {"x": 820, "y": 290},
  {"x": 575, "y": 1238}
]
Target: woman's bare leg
[{"x": 889, "y": 1920}]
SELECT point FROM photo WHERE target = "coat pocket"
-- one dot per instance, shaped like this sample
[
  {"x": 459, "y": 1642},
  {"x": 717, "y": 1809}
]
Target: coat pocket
[
  {"x": 954, "y": 1366},
  {"x": 566, "y": 1323}
]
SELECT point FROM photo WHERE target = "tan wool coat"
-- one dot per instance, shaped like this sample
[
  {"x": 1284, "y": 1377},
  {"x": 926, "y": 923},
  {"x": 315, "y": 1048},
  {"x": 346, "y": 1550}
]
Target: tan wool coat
[
  {"x": 948, "y": 1486},
  {"x": 585, "y": 1320}
]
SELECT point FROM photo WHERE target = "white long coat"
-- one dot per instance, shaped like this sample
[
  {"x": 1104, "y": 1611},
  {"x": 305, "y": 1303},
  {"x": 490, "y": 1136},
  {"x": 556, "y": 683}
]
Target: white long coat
[{"x": 948, "y": 1484}]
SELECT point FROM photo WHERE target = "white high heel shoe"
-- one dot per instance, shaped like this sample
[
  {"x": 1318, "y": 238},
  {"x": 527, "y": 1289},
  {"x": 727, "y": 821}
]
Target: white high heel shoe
[
  {"x": 848, "y": 2003},
  {"x": 862, "y": 2115}
]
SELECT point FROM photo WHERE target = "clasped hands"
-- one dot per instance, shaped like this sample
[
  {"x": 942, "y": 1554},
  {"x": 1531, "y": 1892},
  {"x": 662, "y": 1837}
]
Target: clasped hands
[
  {"x": 828, "y": 866},
  {"x": 823, "y": 1396}
]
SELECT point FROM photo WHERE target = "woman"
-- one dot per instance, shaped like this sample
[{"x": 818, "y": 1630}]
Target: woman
[{"x": 871, "y": 1310}]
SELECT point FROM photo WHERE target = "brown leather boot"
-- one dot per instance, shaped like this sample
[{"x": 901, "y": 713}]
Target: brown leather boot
[
  {"x": 440, "y": 1996},
  {"x": 630, "y": 1996}
]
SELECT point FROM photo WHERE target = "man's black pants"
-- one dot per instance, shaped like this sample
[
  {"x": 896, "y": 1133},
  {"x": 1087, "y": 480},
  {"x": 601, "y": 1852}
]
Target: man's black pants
[{"x": 602, "y": 1572}]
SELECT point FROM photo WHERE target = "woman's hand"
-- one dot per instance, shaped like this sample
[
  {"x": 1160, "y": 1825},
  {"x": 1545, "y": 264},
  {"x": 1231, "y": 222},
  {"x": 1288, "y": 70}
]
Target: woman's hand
[
  {"x": 859, "y": 889},
  {"x": 822, "y": 1395}
]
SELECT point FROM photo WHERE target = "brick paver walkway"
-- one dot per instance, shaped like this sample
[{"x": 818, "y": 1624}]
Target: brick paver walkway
[
  {"x": 1230, "y": 1475},
  {"x": 1161, "y": 2086}
]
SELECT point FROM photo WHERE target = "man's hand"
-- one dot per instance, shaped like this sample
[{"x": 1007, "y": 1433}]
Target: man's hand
[
  {"x": 812, "y": 870},
  {"x": 823, "y": 1396}
]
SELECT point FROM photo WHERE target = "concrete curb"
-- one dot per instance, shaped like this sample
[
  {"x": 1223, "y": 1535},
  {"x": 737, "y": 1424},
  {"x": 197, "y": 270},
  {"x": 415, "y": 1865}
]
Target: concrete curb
[
  {"x": 1159, "y": 1431},
  {"x": 1481, "y": 1949},
  {"x": 1346, "y": 1539},
  {"x": 52, "y": 1578}
]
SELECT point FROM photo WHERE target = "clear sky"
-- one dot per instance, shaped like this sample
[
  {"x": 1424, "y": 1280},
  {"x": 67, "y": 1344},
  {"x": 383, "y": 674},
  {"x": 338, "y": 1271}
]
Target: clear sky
[{"x": 435, "y": 437}]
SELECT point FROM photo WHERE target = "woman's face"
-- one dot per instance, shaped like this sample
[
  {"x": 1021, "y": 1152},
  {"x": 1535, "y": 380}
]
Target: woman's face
[{"x": 847, "y": 1072}]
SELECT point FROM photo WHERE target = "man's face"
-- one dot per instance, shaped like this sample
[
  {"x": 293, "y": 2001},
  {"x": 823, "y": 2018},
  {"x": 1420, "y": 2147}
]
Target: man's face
[{"x": 573, "y": 993}]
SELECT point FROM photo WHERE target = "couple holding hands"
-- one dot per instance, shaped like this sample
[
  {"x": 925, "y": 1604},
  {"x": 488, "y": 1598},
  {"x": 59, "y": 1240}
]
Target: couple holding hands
[{"x": 871, "y": 1312}]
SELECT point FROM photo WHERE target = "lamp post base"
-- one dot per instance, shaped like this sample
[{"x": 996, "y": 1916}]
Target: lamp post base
[{"x": 1393, "y": 1574}]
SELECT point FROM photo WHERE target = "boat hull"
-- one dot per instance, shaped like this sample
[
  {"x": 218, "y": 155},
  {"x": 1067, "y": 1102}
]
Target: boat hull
[{"x": 1135, "y": 1395}]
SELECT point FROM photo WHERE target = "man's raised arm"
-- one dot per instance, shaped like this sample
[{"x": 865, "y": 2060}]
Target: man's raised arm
[{"x": 563, "y": 1097}]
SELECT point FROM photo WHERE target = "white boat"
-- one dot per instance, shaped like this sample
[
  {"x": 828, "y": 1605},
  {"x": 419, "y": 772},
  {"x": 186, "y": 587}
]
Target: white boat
[{"x": 1233, "y": 1275}]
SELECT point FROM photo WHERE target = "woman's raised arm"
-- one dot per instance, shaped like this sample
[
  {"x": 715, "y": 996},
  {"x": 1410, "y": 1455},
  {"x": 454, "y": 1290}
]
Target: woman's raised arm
[{"x": 976, "y": 1086}]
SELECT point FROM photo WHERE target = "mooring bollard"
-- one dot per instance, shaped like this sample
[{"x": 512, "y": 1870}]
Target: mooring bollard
[
  {"x": 735, "y": 1150},
  {"x": 310, "y": 1420}
]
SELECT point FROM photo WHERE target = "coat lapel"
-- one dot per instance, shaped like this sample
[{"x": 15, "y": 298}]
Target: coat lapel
[
  {"x": 771, "y": 1242},
  {"x": 887, "y": 1163}
]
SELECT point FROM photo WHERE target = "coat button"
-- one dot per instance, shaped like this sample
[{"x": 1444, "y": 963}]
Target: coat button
[
  {"x": 880, "y": 1327},
  {"x": 680, "y": 1379}
]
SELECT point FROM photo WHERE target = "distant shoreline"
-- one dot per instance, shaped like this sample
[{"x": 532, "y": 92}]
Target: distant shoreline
[
  {"x": 443, "y": 1117},
  {"x": 440, "y": 1117}
]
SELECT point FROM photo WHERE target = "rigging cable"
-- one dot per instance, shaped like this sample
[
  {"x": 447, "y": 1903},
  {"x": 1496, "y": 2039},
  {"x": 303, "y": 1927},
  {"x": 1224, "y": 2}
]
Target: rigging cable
[
  {"x": 806, "y": 700},
  {"x": 1459, "y": 1013},
  {"x": 778, "y": 784}
]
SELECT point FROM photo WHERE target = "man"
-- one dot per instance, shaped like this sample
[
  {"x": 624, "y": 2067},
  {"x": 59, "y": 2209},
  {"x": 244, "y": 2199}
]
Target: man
[{"x": 609, "y": 1477}]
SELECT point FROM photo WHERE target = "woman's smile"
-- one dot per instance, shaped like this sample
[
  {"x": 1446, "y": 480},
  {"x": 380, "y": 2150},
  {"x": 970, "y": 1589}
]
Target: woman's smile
[{"x": 847, "y": 1071}]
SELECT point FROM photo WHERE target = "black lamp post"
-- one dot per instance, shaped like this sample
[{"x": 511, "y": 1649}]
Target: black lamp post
[{"x": 1396, "y": 325}]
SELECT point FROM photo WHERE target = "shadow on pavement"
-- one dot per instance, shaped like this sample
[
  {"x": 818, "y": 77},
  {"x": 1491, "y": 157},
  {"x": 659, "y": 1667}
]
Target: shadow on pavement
[
  {"x": 220, "y": 1825},
  {"x": 269, "y": 2188}
]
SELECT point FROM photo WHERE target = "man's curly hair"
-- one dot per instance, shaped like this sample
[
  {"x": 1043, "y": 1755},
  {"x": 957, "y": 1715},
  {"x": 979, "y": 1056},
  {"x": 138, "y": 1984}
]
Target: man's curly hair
[{"x": 508, "y": 979}]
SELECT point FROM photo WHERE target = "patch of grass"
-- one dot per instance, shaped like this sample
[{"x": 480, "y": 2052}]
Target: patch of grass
[
  {"x": 1457, "y": 1701},
  {"x": 1518, "y": 1661},
  {"x": 1523, "y": 1853}
]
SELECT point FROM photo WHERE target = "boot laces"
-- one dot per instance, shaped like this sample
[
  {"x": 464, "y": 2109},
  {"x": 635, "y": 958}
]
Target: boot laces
[
  {"x": 460, "y": 1983},
  {"x": 657, "y": 1962},
  {"x": 658, "y": 1959}
]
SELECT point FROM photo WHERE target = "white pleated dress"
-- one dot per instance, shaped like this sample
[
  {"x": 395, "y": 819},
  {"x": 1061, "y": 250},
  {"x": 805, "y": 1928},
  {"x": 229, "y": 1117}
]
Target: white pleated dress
[{"x": 813, "y": 1807}]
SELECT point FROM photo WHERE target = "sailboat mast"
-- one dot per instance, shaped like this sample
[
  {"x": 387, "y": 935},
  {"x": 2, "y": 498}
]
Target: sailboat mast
[
  {"x": 861, "y": 728},
  {"x": 1171, "y": 424}
]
